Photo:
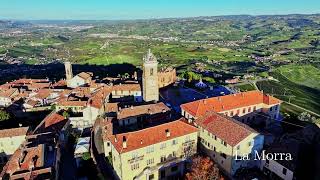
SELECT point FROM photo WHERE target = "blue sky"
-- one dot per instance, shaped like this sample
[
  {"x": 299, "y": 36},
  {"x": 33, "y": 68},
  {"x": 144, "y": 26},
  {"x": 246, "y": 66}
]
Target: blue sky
[{"x": 142, "y": 9}]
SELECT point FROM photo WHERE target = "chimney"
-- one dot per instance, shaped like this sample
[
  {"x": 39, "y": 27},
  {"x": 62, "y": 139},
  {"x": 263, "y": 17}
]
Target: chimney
[
  {"x": 167, "y": 133},
  {"x": 124, "y": 142}
]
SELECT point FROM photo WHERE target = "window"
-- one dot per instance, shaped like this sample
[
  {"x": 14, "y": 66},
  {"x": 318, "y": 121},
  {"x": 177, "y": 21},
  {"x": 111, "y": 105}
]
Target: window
[
  {"x": 150, "y": 149},
  {"x": 214, "y": 149},
  {"x": 231, "y": 114},
  {"x": 108, "y": 144},
  {"x": 150, "y": 161},
  {"x": 223, "y": 155},
  {"x": 238, "y": 111},
  {"x": 271, "y": 109},
  {"x": 284, "y": 171},
  {"x": 249, "y": 143},
  {"x": 174, "y": 142},
  {"x": 135, "y": 166},
  {"x": 174, "y": 168},
  {"x": 151, "y": 176},
  {"x": 244, "y": 110},
  {"x": 151, "y": 72},
  {"x": 215, "y": 137},
  {"x": 163, "y": 145},
  {"x": 224, "y": 143},
  {"x": 254, "y": 108},
  {"x": 276, "y": 108},
  {"x": 249, "y": 109},
  {"x": 163, "y": 159},
  {"x": 238, "y": 147}
]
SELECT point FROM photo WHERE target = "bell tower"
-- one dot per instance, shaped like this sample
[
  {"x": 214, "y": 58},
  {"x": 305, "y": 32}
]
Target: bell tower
[
  {"x": 150, "y": 78},
  {"x": 68, "y": 68}
]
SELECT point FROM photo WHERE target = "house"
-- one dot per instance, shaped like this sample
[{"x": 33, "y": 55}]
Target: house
[
  {"x": 38, "y": 157},
  {"x": 127, "y": 92},
  {"x": 80, "y": 79},
  {"x": 157, "y": 152},
  {"x": 245, "y": 107},
  {"x": 143, "y": 114},
  {"x": 10, "y": 140},
  {"x": 226, "y": 140},
  {"x": 7, "y": 96}
]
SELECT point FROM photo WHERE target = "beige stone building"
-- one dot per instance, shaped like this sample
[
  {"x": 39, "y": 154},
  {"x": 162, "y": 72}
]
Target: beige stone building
[
  {"x": 166, "y": 77},
  {"x": 246, "y": 107},
  {"x": 157, "y": 152},
  {"x": 150, "y": 78},
  {"x": 10, "y": 140},
  {"x": 225, "y": 139}
]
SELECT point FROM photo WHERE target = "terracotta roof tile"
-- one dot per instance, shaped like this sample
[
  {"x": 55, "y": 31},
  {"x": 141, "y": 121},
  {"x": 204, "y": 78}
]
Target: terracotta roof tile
[
  {"x": 126, "y": 87},
  {"x": 228, "y": 102},
  {"x": 13, "y": 132},
  {"x": 225, "y": 128},
  {"x": 143, "y": 109},
  {"x": 153, "y": 135},
  {"x": 85, "y": 75}
]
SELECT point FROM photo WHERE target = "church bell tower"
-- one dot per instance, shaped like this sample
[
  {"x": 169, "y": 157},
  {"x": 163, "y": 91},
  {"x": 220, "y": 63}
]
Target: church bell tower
[
  {"x": 150, "y": 78},
  {"x": 68, "y": 68}
]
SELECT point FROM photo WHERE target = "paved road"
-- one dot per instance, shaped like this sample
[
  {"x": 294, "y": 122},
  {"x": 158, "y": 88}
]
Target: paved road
[{"x": 67, "y": 166}]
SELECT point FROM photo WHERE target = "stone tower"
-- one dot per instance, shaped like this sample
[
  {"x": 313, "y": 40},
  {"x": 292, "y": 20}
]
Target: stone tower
[
  {"x": 68, "y": 68},
  {"x": 150, "y": 78}
]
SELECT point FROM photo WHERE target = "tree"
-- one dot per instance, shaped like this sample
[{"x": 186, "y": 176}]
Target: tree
[
  {"x": 305, "y": 116},
  {"x": 65, "y": 114},
  {"x": 203, "y": 168},
  {"x": 4, "y": 115}
]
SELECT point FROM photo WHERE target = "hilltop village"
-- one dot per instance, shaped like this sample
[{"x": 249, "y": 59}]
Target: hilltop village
[{"x": 130, "y": 131}]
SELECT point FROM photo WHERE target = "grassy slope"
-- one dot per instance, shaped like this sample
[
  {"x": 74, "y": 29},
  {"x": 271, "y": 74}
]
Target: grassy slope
[
  {"x": 307, "y": 75},
  {"x": 304, "y": 96}
]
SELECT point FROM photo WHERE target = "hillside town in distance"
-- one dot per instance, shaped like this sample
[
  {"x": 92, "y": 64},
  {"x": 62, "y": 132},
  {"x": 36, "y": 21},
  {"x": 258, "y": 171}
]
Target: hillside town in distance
[{"x": 133, "y": 128}]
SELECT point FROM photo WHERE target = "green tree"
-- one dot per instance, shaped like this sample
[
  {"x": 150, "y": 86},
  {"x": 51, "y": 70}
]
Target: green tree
[
  {"x": 86, "y": 156},
  {"x": 65, "y": 114},
  {"x": 4, "y": 115}
]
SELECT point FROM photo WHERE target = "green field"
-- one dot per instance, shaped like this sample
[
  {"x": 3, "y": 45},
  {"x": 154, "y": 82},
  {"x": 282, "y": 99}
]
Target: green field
[
  {"x": 300, "y": 94},
  {"x": 306, "y": 75},
  {"x": 245, "y": 87}
]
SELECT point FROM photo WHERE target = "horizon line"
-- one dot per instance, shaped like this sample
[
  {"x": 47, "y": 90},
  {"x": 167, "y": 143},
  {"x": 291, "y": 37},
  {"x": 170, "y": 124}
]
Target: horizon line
[{"x": 156, "y": 18}]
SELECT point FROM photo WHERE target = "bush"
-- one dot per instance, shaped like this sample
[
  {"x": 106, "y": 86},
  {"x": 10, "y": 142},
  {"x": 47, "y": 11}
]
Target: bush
[{"x": 4, "y": 115}]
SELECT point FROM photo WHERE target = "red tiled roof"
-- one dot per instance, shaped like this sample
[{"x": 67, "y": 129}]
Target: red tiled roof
[
  {"x": 99, "y": 96},
  {"x": 143, "y": 109},
  {"x": 30, "y": 81},
  {"x": 60, "y": 83},
  {"x": 53, "y": 119},
  {"x": 152, "y": 135},
  {"x": 225, "y": 128},
  {"x": 126, "y": 87},
  {"x": 228, "y": 102},
  {"x": 52, "y": 122},
  {"x": 85, "y": 75},
  {"x": 29, "y": 154},
  {"x": 13, "y": 132},
  {"x": 8, "y": 92},
  {"x": 43, "y": 93},
  {"x": 64, "y": 102}
]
